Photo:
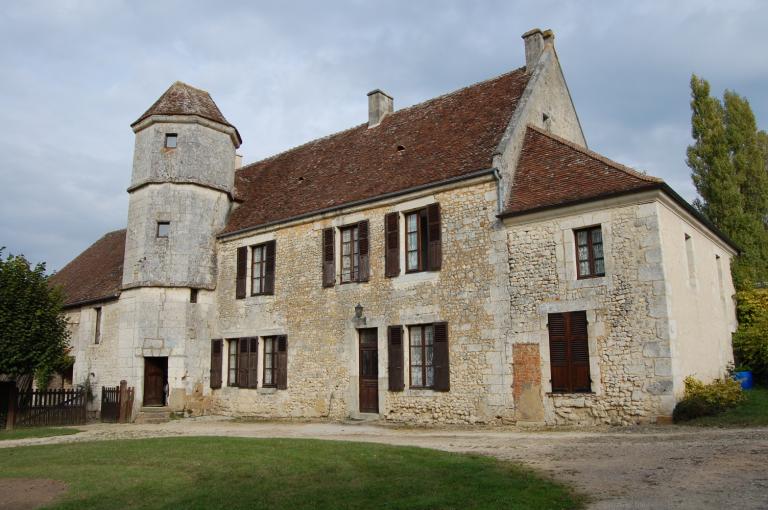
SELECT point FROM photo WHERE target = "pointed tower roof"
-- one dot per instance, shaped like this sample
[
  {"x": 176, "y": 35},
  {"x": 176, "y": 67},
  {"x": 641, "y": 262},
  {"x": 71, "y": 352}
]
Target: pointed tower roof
[{"x": 183, "y": 99}]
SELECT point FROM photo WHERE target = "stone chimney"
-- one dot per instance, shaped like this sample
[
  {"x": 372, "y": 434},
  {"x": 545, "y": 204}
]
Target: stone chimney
[
  {"x": 380, "y": 104},
  {"x": 535, "y": 40}
]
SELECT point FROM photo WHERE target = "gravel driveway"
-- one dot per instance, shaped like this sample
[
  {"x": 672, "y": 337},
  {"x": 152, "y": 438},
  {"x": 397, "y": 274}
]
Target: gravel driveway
[{"x": 636, "y": 468}]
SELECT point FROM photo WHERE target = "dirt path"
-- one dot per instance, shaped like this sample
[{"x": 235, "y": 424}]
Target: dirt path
[{"x": 638, "y": 468}]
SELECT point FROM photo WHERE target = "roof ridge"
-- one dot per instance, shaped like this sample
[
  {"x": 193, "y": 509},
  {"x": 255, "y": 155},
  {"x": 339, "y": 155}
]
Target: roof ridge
[
  {"x": 189, "y": 86},
  {"x": 397, "y": 112},
  {"x": 595, "y": 155}
]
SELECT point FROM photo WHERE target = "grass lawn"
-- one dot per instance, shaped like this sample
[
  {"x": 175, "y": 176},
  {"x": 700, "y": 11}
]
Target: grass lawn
[
  {"x": 752, "y": 412},
  {"x": 5, "y": 435},
  {"x": 231, "y": 473}
]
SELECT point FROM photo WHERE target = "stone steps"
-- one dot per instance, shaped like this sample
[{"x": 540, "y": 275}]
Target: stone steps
[{"x": 153, "y": 415}]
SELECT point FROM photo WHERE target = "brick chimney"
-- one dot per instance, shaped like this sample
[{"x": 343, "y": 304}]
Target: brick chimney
[
  {"x": 380, "y": 104},
  {"x": 535, "y": 40}
]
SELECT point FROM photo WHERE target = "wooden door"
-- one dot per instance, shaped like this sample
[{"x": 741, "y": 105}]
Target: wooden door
[
  {"x": 155, "y": 377},
  {"x": 369, "y": 371}
]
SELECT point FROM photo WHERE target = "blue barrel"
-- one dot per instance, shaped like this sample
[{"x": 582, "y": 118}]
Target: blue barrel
[{"x": 744, "y": 378}]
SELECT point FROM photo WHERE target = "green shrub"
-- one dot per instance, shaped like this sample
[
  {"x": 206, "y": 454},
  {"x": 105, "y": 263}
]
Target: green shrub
[
  {"x": 707, "y": 399},
  {"x": 750, "y": 347}
]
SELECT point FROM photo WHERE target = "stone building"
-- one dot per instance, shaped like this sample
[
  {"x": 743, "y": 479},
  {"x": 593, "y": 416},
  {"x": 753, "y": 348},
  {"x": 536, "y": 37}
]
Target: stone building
[{"x": 463, "y": 260}]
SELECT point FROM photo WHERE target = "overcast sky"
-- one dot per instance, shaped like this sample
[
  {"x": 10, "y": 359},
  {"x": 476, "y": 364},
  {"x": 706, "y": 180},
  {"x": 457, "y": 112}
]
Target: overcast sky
[{"x": 75, "y": 74}]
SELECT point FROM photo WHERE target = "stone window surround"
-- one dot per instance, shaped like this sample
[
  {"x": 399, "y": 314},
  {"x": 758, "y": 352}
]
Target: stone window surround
[
  {"x": 251, "y": 242},
  {"x": 565, "y": 249},
  {"x": 260, "y": 360}
]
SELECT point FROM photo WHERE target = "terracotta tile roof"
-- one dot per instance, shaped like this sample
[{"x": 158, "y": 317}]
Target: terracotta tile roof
[
  {"x": 183, "y": 99},
  {"x": 446, "y": 137},
  {"x": 96, "y": 274},
  {"x": 552, "y": 171}
]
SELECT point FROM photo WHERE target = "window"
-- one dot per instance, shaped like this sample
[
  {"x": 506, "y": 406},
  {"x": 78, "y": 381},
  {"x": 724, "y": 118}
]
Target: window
[
  {"x": 97, "y": 331},
  {"x": 270, "y": 361},
  {"x": 243, "y": 362},
  {"x": 589, "y": 253},
  {"x": 422, "y": 356},
  {"x": 163, "y": 228},
  {"x": 569, "y": 352},
  {"x": 350, "y": 254},
  {"x": 193, "y": 295},
  {"x": 171, "y": 140},
  {"x": 258, "y": 268},
  {"x": 423, "y": 251}
]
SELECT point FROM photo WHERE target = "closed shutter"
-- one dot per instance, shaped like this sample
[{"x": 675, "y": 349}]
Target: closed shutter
[
  {"x": 282, "y": 363},
  {"x": 216, "y": 361},
  {"x": 392, "y": 244},
  {"x": 242, "y": 271},
  {"x": 362, "y": 236},
  {"x": 242, "y": 362},
  {"x": 395, "y": 355},
  {"x": 253, "y": 362},
  {"x": 579, "y": 355},
  {"x": 269, "y": 268},
  {"x": 329, "y": 267},
  {"x": 441, "y": 359},
  {"x": 435, "y": 249},
  {"x": 558, "y": 352}
]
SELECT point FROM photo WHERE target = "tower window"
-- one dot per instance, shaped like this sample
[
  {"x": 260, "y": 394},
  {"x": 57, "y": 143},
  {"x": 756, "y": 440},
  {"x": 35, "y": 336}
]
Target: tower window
[
  {"x": 193, "y": 295},
  {"x": 170, "y": 140},
  {"x": 163, "y": 228}
]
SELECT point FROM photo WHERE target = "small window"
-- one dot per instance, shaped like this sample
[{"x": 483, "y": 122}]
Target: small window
[
  {"x": 270, "y": 362},
  {"x": 422, "y": 356},
  {"x": 171, "y": 140},
  {"x": 163, "y": 229},
  {"x": 350, "y": 254},
  {"x": 589, "y": 253},
  {"x": 258, "y": 269},
  {"x": 423, "y": 250},
  {"x": 193, "y": 295},
  {"x": 97, "y": 331}
]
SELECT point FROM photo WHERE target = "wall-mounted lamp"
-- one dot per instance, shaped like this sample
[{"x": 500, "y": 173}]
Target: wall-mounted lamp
[{"x": 358, "y": 311}]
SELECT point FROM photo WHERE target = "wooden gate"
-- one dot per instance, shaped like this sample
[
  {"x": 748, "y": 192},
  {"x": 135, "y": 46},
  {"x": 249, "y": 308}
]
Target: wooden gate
[
  {"x": 116, "y": 403},
  {"x": 45, "y": 408}
]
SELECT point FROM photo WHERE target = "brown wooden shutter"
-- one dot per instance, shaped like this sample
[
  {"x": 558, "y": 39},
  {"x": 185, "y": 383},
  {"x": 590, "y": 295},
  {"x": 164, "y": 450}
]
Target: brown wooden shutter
[
  {"x": 282, "y": 363},
  {"x": 579, "y": 352},
  {"x": 216, "y": 360},
  {"x": 441, "y": 359},
  {"x": 242, "y": 271},
  {"x": 392, "y": 244},
  {"x": 269, "y": 268},
  {"x": 395, "y": 355},
  {"x": 329, "y": 266},
  {"x": 558, "y": 352},
  {"x": 242, "y": 362},
  {"x": 435, "y": 250},
  {"x": 362, "y": 236},
  {"x": 253, "y": 362}
]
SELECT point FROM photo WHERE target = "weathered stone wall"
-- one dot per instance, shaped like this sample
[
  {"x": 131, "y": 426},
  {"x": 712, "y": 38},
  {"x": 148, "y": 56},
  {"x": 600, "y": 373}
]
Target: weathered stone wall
[
  {"x": 469, "y": 293},
  {"x": 630, "y": 359}
]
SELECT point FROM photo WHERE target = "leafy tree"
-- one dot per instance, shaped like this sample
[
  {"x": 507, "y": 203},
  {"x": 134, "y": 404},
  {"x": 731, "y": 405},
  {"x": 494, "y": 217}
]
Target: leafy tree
[
  {"x": 728, "y": 162},
  {"x": 33, "y": 331}
]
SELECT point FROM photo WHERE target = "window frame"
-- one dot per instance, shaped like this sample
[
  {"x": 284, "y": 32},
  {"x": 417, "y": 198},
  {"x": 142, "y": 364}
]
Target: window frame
[
  {"x": 590, "y": 252},
  {"x": 424, "y": 366},
  {"x": 262, "y": 269},
  {"x": 354, "y": 255},
  {"x": 422, "y": 264},
  {"x": 174, "y": 137},
  {"x": 158, "y": 235},
  {"x": 272, "y": 341}
]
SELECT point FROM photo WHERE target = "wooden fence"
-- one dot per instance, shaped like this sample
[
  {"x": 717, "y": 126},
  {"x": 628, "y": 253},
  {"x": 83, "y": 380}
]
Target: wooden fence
[
  {"x": 116, "y": 403},
  {"x": 45, "y": 408}
]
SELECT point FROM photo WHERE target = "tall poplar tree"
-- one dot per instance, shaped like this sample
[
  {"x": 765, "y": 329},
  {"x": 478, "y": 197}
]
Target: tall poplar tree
[{"x": 728, "y": 167}]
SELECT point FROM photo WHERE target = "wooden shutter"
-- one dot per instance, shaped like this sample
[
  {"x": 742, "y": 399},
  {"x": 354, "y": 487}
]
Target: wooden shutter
[
  {"x": 435, "y": 250},
  {"x": 253, "y": 362},
  {"x": 362, "y": 237},
  {"x": 282, "y": 363},
  {"x": 242, "y": 271},
  {"x": 269, "y": 268},
  {"x": 329, "y": 266},
  {"x": 216, "y": 360},
  {"x": 441, "y": 359},
  {"x": 242, "y": 362},
  {"x": 558, "y": 352},
  {"x": 395, "y": 355},
  {"x": 392, "y": 244},
  {"x": 579, "y": 352}
]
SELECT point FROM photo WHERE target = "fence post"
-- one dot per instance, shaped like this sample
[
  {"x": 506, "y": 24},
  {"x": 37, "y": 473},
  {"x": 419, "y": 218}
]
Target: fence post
[
  {"x": 13, "y": 396},
  {"x": 123, "y": 402}
]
